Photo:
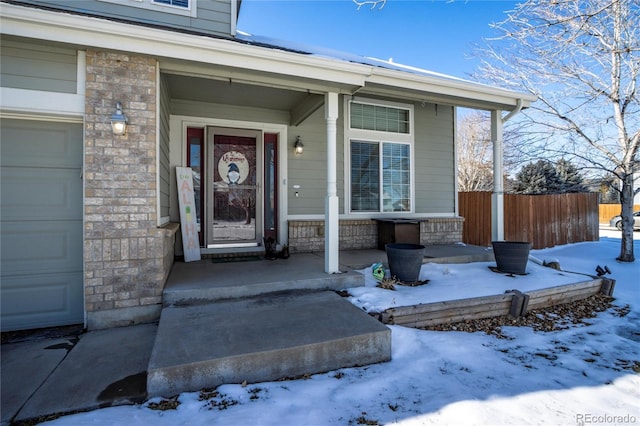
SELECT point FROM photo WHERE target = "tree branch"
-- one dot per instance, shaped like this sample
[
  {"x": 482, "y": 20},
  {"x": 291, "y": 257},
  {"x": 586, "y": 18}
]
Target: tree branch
[{"x": 374, "y": 3}]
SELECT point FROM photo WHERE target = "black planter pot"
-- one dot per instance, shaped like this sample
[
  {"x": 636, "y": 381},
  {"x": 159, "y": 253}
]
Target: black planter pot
[
  {"x": 405, "y": 261},
  {"x": 511, "y": 256}
]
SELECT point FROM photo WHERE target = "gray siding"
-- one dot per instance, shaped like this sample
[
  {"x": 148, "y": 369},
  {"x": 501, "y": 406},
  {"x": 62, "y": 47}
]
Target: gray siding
[
  {"x": 165, "y": 169},
  {"x": 33, "y": 66},
  {"x": 434, "y": 159},
  {"x": 309, "y": 170},
  {"x": 213, "y": 16}
]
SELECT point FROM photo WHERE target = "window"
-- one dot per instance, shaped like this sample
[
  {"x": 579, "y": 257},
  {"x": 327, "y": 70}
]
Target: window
[
  {"x": 379, "y": 158},
  {"x": 379, "y": 118},
  {"x": 174, "y": 7},
  {"x": 365, "y": 177},
  {"x": 176, "y": 3},
  {"x": 380, "y": 171}
]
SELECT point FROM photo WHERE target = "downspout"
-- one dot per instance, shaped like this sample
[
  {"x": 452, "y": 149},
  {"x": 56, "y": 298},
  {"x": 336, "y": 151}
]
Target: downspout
[
  {"x": 497, "y": 197},
  {"x": 513, "y": 112}
]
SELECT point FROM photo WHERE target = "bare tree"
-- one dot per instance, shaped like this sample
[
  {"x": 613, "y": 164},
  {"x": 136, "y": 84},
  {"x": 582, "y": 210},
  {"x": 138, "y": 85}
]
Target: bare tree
[
  {"x": 581, "y": 58},
  {"x": 474, "y": 153},
  {"x": 245, "y": 199},
  {"x": 373, "y": 3}
]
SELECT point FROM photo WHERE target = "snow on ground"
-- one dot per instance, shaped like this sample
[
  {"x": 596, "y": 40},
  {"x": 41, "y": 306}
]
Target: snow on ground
[
  {"x": 458, "y": 281},
  {"x": 584, "y": 374}
]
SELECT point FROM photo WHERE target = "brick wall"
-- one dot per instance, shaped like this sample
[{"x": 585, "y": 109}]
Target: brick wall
[
  {"x": 441, "y": 230},
  {"x": 125, "y": 254},
  {"x": 308, "y": 235}
]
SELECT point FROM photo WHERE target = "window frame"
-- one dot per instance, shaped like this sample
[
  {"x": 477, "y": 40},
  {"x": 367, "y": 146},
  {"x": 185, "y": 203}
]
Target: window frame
[
  {"x": 190, "y": 11},
  {"x": 379, "y": 138}
]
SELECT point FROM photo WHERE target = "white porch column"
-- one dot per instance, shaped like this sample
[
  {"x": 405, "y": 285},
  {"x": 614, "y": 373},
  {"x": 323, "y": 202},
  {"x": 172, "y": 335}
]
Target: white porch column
[
  {"x": 497, "y": 198},
  {"x": 331, "y": 211}
]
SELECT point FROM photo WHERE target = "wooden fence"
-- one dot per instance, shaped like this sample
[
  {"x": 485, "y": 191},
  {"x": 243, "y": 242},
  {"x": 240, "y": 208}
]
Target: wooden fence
[
  {"x": 544, "y": 220},
  {"x": 607, "y": 211}
]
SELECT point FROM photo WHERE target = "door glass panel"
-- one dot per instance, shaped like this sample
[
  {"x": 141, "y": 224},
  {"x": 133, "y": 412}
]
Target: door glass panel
[
  {"x": 234, "y": 189},
  {"x": 195, "y": 145},
  {"x": 270, "y": 187}
]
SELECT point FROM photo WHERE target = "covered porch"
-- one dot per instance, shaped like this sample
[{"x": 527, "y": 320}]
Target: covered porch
[
  {"x": 209, "y": 280},
  {"x": 311, "y": 104}
]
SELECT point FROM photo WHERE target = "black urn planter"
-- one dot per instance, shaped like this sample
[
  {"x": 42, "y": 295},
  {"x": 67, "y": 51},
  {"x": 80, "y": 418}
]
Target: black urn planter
[
  {"x": 405, "y": 261},
  {"x": 511, "y": 256}
]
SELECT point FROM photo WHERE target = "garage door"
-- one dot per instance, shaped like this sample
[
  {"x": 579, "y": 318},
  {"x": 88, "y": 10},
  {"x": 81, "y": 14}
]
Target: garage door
[{"x": 41, "y": 224}]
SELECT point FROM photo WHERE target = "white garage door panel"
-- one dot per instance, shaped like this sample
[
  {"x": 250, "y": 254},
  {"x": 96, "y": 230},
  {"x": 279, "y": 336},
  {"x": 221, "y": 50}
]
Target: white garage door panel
[
  {"x": 31, "y": 194},
  {"x": 41, "y": 279},
  {"x": 37, "y": 247},
  {"x": 57, "y": 301}
]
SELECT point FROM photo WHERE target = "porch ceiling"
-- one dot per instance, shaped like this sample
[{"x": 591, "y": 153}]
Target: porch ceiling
[{"x": 232, "y": 93}]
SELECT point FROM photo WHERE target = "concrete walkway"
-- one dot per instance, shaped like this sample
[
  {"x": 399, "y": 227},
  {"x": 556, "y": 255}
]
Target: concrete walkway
[{"x": 44, "y": 376}]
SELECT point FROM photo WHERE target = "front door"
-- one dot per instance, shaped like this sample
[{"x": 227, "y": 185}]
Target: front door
[{"x": 234, "y": 202}]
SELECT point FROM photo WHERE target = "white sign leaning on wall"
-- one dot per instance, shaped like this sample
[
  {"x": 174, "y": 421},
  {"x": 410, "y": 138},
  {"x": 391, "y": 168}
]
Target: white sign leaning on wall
[{"x": 188, "y": 219}]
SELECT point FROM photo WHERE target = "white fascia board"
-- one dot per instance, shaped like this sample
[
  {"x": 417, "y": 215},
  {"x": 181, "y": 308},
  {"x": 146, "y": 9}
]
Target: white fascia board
[
  {"x": 92, "y": 32},
  {"x": 455, "y": 88}
]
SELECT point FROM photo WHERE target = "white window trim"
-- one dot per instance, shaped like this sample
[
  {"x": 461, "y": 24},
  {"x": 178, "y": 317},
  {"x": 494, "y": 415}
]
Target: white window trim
[
  {"x": 376, "y": 137},
  {"x": 159, "y": 7}
]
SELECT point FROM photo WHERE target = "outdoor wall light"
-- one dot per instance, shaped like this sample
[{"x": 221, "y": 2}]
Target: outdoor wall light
[
  {"x": 298, "y": 147},
  {"x": 119, "y": 121}
]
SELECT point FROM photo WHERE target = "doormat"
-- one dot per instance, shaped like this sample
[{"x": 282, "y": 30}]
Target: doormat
[{"x": 236, "y": 259}]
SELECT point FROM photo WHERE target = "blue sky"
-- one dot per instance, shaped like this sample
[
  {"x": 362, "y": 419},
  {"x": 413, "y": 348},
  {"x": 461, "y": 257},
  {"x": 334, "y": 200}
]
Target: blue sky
[{"x": 436, "y": 35}]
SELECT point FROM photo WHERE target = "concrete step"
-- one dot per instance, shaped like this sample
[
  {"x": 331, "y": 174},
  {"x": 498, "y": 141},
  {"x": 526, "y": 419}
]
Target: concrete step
[
  {"x": 206, "y": 281},
  {"x": 261, "y": 339}
]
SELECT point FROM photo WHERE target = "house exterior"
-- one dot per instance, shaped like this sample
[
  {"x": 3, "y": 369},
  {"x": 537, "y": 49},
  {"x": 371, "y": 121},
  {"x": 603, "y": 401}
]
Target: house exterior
[{"x": 90, "y": 219}]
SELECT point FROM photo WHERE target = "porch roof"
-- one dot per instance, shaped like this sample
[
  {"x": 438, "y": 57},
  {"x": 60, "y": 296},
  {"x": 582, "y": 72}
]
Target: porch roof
[
  {"x": 387, "y": 77},
  {"x": 259, "y": 61}
]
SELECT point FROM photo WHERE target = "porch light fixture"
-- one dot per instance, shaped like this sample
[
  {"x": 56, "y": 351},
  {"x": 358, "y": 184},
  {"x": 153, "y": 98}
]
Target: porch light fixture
[
  {"x": 119, "y": 121},
  {"x": 298, "y": 147}
]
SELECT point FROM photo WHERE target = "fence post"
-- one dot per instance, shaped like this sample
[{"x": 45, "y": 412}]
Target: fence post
[
  {"x": 607, "y": 286},
  {"x": 519, "y": 303}
]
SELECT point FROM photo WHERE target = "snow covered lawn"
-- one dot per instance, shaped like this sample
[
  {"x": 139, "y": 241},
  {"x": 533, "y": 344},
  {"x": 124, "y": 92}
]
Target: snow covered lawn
[
  {"x": 584, "y": 374},
  {"x": 458, "y": 281}
]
